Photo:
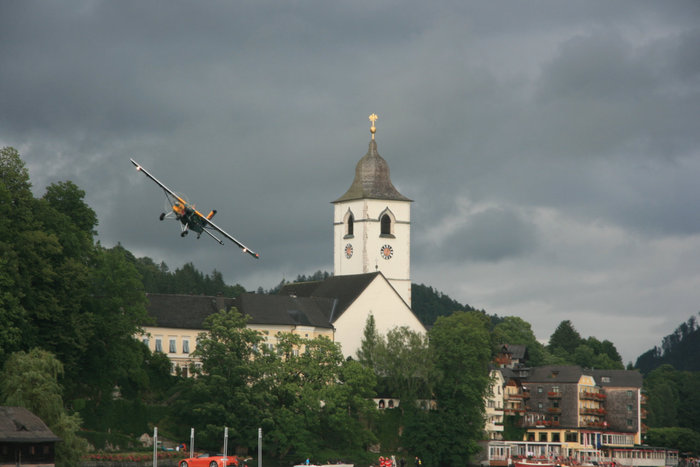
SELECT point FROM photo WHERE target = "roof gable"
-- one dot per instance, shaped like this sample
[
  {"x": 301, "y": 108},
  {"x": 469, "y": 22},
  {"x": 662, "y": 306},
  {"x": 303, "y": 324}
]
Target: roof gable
[
  {"x": 19, "y": 425},
  {"x": 618, "y": 378},
  {"x": 287, "y": 310},
  {"x": 190, "y": 311},
  {"x": 344, "y": 289},
  {"x": 184, "y": 311},
  {"x": 555, "y": 373}
]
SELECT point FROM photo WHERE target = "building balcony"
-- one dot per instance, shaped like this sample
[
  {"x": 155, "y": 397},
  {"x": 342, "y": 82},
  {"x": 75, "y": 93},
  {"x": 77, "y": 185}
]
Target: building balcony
[
  {"x": 643, "y": 414},
  {"x": 554, "y": 395},
  {"x": 554, "y": 410},
  {"x": 598, "y": 412},
  {"x": 593, "y": 396},
  {"x": 598, "y": 425}
]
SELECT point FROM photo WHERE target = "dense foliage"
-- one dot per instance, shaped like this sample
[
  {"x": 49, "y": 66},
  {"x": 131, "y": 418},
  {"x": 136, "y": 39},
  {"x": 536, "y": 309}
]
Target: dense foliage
[
  {"x": 441, "y": 382},
  {"x": 567, "y": 347},
  {"x": 30, "y": 380},
  {"x": 310, "y": 404},
  {"x": 157, "y": 278},
  {"x": 673, "y": 398},
  {"x": 65, "y": 297},
  {"x": 460, "y": 345},
  {"x": 681, "y": 349},
  {"x": 516, "y": 331},
  {"x": 429, "y": 304}
]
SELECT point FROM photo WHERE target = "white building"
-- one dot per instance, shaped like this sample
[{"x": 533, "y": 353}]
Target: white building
[{"x": 493, "y": 404}]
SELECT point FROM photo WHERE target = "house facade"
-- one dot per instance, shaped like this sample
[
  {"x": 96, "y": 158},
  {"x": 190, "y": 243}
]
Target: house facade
[
  {"x": 180, "y": 319},
  {"x": 494, "y": 405},
  {"x": 567, "y": 410}
]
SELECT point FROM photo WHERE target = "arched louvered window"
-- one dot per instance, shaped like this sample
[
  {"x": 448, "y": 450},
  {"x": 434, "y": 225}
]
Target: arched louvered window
[
  {"x": 351, "y": 225},
  {"x": 386, "y": 224}
]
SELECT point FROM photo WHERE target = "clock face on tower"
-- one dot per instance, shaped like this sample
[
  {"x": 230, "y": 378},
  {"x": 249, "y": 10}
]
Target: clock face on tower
[
  {"x": 386, "y": 251},
  {"x": 348, "y": 251}
]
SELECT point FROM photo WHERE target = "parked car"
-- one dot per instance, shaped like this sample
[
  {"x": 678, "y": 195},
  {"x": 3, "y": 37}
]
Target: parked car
[{"x": 209, "y": 460}]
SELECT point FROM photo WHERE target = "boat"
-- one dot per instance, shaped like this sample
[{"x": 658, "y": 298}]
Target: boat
[
  {"x": 324, "y": 465},
  {"x": 540, "y": 454},
  {"x": 534, "y": 463}
]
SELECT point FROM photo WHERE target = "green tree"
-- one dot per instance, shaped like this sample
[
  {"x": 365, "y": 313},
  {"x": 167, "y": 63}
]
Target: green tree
[
  {"x": 404, "y": 361},
  {"x": 105, "y": 353},
  {"x": 59, "y": 274},
  {"x": 31, "y": 380},
  {"x": 685, "y": 440},
  {"x": 157, "y": 278},
  {"x": 591, "y": 353},
  {"x": 224, "y": 391},
  {"x": 320, "y": 403},
  {"x": 689, "y": 400},
  {"x": 461, "y": 347},
  {"x": 662, "y": 397},
  {"x": 368, "y": 345},
  {"x": 516, "y": 331},
  {"x": 565, "y": 337},
  {"x": 15, "y": 217}
]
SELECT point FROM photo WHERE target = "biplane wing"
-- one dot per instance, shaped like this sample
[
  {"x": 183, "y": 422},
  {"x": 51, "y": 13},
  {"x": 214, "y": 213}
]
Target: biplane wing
[
  {"x": 230, "y": 237},
  {"x": 158, "y": 182},
  {"x": 190, "y": 217}
]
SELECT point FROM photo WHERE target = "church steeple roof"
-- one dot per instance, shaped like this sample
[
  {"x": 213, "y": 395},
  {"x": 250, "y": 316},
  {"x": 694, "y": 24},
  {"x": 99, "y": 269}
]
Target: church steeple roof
[{"x": 372, "y": 176}]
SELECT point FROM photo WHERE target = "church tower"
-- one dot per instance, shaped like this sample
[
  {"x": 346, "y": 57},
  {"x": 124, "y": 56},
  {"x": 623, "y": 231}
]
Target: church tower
[{"x": 372, "y": 224}]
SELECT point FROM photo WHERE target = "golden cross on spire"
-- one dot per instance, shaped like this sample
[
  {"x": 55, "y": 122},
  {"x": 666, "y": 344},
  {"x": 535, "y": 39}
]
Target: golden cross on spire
[{"x": 373, "y": 118}]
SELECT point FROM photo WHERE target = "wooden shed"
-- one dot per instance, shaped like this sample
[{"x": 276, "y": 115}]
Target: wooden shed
[{"x": 25, "y": 439}]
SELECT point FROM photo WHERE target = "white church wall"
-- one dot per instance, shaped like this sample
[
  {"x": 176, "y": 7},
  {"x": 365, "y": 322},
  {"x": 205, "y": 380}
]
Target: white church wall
[{"x": 388, "y": 308}]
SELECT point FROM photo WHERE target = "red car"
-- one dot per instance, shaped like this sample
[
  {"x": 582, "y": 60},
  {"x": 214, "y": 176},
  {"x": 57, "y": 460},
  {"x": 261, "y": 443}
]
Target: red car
[{"x": 209, "y": 460}]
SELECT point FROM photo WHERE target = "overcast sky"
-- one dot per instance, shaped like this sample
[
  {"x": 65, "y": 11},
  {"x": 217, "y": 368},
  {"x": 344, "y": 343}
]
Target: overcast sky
[{"x": 552, "y": 148}]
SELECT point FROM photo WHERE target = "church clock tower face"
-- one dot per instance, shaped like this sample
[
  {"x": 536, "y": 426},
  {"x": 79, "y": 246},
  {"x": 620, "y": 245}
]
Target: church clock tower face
[
  {"x": 372, "y": 224},
  {"x": 387, "y": 251}
]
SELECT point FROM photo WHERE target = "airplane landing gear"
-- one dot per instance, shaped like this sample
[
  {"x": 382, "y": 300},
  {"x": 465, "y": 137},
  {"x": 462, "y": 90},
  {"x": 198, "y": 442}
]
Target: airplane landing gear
[
  {"x": 183, "y": 233},
  {"x": 162, "y": 216}
]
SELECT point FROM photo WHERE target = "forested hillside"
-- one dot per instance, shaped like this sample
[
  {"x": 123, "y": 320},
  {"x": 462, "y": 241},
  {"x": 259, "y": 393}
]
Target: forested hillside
[
  {"x": 157, "y": 278},
  {"x": 429, "y": 304},
  {"x": 672, "y": 385},
  {"x": 680, "y": 349}
]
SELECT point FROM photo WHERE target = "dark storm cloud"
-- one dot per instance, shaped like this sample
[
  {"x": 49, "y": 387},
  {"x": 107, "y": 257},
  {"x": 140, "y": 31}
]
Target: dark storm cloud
[
  {"x": 546, "y": 145},
  {"x": 491, "y": 235}
]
